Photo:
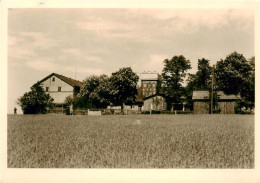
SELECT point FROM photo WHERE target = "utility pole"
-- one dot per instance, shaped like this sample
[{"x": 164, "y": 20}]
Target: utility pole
[{"x": 212, "y": 90}]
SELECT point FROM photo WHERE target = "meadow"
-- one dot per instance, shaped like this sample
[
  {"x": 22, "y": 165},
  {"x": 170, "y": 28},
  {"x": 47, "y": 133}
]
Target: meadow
[{"x": 131, "y": 141}]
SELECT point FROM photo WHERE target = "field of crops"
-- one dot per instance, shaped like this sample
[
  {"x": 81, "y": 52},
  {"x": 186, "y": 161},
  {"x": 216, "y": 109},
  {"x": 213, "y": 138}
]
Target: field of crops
[{"x": 134, "y": 141}]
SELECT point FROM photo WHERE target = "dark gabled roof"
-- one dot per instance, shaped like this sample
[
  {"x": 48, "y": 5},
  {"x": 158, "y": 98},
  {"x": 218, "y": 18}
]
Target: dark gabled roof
[
  {"x": 70, "y": 81},
  {"x": 204, "y": 95},
  {"x": 222, "y": 96}
]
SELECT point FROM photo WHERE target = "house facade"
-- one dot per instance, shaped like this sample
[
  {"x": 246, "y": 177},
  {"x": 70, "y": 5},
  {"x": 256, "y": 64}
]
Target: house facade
[
  {"x": 225, "y": 103},
  {"x": 154, "y": 102},
  {"x": 59, "y": 87},
  {"x": 149, "y": 83}
]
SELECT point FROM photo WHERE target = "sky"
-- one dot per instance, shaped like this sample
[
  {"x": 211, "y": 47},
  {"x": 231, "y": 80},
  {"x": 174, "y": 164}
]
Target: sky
[{"x": 78, "y": 43}]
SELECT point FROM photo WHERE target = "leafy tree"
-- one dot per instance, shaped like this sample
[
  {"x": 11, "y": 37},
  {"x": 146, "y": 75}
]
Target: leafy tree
[
  {"x": 249, "y": 89},
  {"x": 159, "y": 85},
  {"x": 232, "y": 73},
  {"x": 69, "y": 100},
  {"x": 235, "y": 75},
  {"x": 173, "y": 75},
  {"x": 36, "y": 101},
  {"x": 123, "y": 86},
  {"x": 203, "y": 74},
  {"x": 95, "y": 92},
  {"x": 199, "y": 81}
]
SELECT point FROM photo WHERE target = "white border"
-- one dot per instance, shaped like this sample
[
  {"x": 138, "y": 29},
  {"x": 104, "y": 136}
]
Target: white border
[{"x": 119, "y": 175}]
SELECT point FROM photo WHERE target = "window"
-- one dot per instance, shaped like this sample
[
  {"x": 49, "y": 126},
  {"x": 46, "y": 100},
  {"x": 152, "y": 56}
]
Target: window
[
  {"x": 53, "y": 79},
  {"x": 59, "y": 88},
  {"x": 47, "y": 89}
]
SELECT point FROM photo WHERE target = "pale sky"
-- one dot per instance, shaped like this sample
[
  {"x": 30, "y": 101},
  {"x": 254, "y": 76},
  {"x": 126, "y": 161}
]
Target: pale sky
[{"x": 100, "y": 41}]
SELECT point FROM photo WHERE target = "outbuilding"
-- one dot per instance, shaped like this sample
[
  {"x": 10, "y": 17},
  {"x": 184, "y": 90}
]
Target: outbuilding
[
  {"x": 201, "y": 102},
  {"x": 225, "y": 103}
]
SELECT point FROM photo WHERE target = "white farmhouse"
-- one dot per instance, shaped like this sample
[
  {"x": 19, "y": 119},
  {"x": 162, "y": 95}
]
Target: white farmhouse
[{"x": 59, "y": 87}]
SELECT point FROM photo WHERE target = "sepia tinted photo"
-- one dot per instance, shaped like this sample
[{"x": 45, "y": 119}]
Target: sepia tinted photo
[{"x": 131, "y": 88}]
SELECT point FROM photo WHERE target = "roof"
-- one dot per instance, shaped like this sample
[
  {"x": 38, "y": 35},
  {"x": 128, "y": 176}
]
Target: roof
[
  {"x": 70, "y": 81},
  {"x": 222, "y": 96},
  {"x": 154, "y": 95},
  {"x": 200, "y": 95},
  {"x": 204, "y": 95},
  {"x": 149, "y": 76}
]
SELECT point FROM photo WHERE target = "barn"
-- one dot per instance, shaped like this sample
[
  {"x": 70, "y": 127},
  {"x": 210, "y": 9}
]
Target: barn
[
  {"x": 59, "y": 87},
  {"x": 201, "y": 102},
  {"x": 155, "y": 102},
  {"x": 225, "y": 103}
]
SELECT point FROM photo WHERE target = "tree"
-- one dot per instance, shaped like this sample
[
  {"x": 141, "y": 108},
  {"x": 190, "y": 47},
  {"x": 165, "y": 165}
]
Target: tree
[
  {"x": 235, "y": 75},
  {"x": 36, "y": 101},
  {"x": 248, "y": 90},
  {"x": 173, "y": 75},
  {"x": 199, "y": 81},
  {"x": 123, "y": 86},
  {"x": 95, "y": 92},
  {"x": 203, "y": 75}
]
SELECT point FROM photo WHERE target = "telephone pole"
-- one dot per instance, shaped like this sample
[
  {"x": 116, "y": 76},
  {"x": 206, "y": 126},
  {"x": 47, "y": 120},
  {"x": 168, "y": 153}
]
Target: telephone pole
[{"x": 212, "y": 90}]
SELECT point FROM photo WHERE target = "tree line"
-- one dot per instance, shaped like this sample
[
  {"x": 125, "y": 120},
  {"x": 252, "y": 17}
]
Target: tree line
[{"x": 233, "y": 75}]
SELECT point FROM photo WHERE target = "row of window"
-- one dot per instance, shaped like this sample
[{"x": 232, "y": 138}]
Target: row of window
[
  {"x": 149, "y": 84},
  {"x": 47, "y": 89},
  {"x": 147, "y": 94}
]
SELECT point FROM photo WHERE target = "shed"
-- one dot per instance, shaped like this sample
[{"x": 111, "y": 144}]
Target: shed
[
  {"x": 201, "y": 103},
  {"x": 225, "y": 103}
]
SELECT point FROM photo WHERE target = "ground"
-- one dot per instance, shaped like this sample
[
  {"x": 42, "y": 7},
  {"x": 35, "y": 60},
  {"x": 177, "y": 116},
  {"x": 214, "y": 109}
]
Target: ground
[{"x": 131, "y": 141}]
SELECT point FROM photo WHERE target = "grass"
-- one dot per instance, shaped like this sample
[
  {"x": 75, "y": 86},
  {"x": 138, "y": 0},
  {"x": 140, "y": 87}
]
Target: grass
[{"x": 134, "y": 141}]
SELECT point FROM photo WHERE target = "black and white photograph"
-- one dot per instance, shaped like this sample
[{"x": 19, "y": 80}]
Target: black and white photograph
[{"x": 131, "y": 88}]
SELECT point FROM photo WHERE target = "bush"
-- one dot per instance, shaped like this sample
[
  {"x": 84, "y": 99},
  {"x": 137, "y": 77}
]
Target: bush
[{"x": 36, "y": 101}]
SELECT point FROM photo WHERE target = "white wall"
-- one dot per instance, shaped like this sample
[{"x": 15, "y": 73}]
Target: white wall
[{"x": 59, "y": 97}]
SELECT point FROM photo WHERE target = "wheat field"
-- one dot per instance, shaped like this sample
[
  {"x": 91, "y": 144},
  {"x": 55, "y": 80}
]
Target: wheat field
[{"x": 131, "y": 141}]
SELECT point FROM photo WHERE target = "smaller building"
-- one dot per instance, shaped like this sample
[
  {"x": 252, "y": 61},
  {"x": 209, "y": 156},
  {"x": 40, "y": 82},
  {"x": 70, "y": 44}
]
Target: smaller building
[
  {"x": 225, "y": 104},
  {"x": 155, "y": 102},
  {"x": 201, "y": 103}
]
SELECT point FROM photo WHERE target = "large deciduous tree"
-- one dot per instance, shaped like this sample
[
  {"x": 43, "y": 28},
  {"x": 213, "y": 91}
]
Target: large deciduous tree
[
  {"x": 35, "y": 101},
  {"x": 201, "y": 80},
  {"x": 123, "y": 86},
  {"x": 235, "y": 75},
  {"x": 173, "y": 75},
  {"x": 94, "y": 92}
]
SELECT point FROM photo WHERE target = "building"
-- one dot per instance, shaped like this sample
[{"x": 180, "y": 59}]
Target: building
[
  {"x": 201, "y": 102},
  {"x": 155, "y": 102},
  {"x": 59, "y": 87},
  {"x": 149, "y": 83},
  {"x": 225, "y": 104}
]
